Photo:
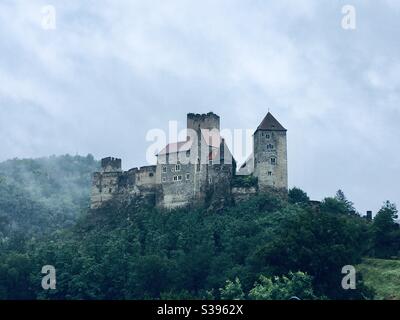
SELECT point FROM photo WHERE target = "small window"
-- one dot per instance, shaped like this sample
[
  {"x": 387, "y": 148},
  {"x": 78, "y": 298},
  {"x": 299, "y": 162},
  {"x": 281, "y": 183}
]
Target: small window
[
  {"x": 269, "y": 173},
  {"x": 188, "y": 153},
  {"x": 267, "y": 136},
  {"x": 177, "y": 167},
  {"x": 164, "y": 179},
  {"x": 178, "y": 178},
  {"x": 164, "y": 169},
  {"x": 273, "y": 161},
  {"x": 187, "y": 176},
  {"x": 151, "y": 174},
  {"x": 270, "y": 146}
]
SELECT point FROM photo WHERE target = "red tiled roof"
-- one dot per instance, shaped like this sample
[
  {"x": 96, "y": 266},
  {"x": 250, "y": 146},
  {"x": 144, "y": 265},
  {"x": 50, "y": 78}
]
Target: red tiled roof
[{"x": 175, "y": 147}]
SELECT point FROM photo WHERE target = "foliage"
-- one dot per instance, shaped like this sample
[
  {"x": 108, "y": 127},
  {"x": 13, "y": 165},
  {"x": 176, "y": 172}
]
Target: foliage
[
  {"x": 319, "y": 243},
  {"x": 348, "y": 205},
  {"x": 244, "y": 181},
  {"x": 145, "y": 253},
  {"x": 386, "y": 232},
  {"x": 296, "y": 195},
  {"x": 383, "y": 276},
  {"x": 232, "y": 290},
  {"x": 296, "y": 284}
]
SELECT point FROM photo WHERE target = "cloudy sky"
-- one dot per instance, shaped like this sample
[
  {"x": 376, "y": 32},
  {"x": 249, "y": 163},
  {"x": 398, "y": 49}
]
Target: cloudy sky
[{"x": 113, "y": 70}]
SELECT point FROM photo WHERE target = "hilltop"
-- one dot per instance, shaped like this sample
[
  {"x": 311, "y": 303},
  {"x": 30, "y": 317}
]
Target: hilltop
[{"x": 270, "y": 246}]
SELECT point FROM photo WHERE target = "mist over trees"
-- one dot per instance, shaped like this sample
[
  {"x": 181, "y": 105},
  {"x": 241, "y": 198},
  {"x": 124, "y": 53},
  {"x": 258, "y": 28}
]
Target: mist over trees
[{"x": 45, "y": 194}]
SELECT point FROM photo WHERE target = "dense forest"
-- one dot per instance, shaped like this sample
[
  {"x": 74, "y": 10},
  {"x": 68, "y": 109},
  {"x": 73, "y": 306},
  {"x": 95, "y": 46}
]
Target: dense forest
[{"x": 270, "y": 247}]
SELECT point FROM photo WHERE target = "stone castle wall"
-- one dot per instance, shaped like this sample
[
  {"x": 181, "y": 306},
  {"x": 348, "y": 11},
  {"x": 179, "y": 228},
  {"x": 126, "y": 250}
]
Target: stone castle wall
[{"x": 113, "y": 183}]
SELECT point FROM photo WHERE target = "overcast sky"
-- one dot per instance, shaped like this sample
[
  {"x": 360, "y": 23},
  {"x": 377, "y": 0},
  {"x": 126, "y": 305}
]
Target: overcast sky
[{"x": 113, "y": 70}]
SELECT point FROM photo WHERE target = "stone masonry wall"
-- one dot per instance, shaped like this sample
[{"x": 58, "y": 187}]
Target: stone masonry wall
[{"x": 270, "y": 159}]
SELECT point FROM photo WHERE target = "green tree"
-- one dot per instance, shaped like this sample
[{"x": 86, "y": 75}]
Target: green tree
[
  {"x": 15, "y": 270},
  {"x": 319, "y": 244},
  {"x": 349, "y": 206},
  {"x": 297, "y": 284},
  {"x": 232, "y": 290},
  {"x": 296, "y": 195},
  {"x": 385, "y": 232}
]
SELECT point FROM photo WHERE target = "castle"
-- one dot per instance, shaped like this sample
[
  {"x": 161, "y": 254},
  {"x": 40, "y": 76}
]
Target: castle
[{"x": 199, "y": 169}]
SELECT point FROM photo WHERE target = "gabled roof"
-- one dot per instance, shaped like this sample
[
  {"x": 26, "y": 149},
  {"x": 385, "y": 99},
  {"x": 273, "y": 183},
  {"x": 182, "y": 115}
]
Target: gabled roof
[
  {"x": 212, "y": 138},
  {"x": 175, "y": 147},
  {"x": 270, "y": 123}
]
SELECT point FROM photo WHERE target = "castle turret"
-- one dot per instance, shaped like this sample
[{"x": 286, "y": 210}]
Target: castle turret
[
  {"x": 105, "y": 182},
  {"x": 111, "y": 164},
  {"x": 202, "y": 121},
  {"x": 270, "y": 154}
]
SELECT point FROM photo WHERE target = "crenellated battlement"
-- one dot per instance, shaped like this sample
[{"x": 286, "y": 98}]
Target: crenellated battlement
[
  {"x": 197, "y": 121},
  {"x": 111, "y": 164}
]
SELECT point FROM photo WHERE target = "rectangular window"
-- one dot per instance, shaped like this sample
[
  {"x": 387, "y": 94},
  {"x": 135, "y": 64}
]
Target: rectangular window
[
  {"x": 187, "y": 176},
  {"x": 151, "y": 174},
  {"x": 273, "y": 161},
  {"x": 269, "y": 173},
  {"x": 177, "y": 167},
  {"x": 178, "y": 178},
  {"x": 164, "y": 169}
]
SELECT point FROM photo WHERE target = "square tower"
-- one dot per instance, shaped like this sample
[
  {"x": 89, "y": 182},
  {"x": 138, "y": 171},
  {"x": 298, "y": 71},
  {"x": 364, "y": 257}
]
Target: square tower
[{"x": 270, "y": 154}]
